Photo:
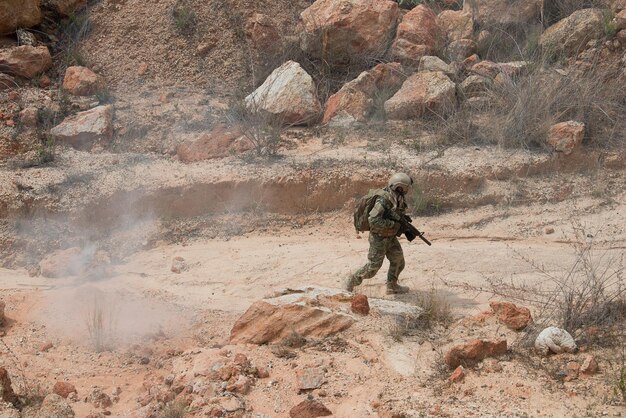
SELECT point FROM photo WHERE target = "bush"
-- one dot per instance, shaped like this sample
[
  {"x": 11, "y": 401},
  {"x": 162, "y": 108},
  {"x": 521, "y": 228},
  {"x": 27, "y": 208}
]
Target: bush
[{"x": 184, "y": 19}]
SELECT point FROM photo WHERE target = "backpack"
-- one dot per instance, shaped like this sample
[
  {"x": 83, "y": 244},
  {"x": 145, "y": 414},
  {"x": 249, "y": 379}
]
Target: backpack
[{"x": 363, "y": 207}]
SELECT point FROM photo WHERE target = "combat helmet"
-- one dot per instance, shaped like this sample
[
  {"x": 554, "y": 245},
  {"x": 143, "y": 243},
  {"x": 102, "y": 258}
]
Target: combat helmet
[{"x": 400, "y": 182}]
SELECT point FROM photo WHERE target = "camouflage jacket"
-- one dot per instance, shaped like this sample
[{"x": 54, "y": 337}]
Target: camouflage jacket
[{"x": 387, "y": 200}]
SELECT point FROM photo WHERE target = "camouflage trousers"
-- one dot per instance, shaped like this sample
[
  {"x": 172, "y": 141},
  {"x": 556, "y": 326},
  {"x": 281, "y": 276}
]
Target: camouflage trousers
[{"x": 381, "y": 247}]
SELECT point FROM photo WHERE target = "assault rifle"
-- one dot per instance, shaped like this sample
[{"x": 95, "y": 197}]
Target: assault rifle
[{"x": 406, "y": 227}]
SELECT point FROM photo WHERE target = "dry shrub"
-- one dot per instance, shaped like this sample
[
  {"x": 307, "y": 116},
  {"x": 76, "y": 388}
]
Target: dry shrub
[
  {"x": 99, "y": 321},
  {"x": 174, "y": 409},
  {"x": 437, "y": 311}
]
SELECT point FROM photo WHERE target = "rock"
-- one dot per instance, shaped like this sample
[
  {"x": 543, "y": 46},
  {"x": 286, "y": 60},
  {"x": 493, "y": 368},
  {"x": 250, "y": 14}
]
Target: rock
[
  {"x": 6, "y": 390},
  {"x": 275, "y": 319},
  {"x": 486, "y": 69},
  {"x": 432, "y": 63},
  {"x": 417, "y": 36},
  {"x": 555, "y": 340},
  {"x": 45, "y": 347},
  {"x": 504, "y": 12},
  {"x": 65, "y": 7},
  {"x": 309, "y": 409},
  {"x": 2, "y": 317},
  {"x": 81, "y": 81},
  {"x": 241, "y": 360},
  {"x": 82, "y": 130},
  {"x": 491, "y": 365},
  {"x": 25, "y": 61},
  {"x": 99, "y": 399},
  {"x": 549, "y": 230},
  {"x": 310, "y": 378},
  {"x": 262, "y": 373},
  {"x": 230, "y": 404},
  {"x": 240, "y": 385},
  {"x": 565, "y": 136},
  {"x": 461, "y": 49},
  {"x": 589, "y": 366},
  {"x": 179, "y": 265},
  {"x": 514, "y": 317},
  {"x": 18, "y": 14},
  {"x": 514, "y": 68},
  {"x": 63, "y": 389},
  {"x": 457, "y": 375},
  {"x": 620, "y": 20},
  {"x": 571, "y": 370},
  {"x": 356, "y": 101},
  {"x": 474, "y": 351},
  {"x": 263, "y": 33},
  {"x": 25, "y": 37},
  {"x": 29, "y": 116},
  {"x": 7, "y": 410},
  {"x": 55, "y": 406},
  {"x": 360, "y": 305},
  {"x": 455, "y": 25},
  {"x": 475, "y": 86},
  {"x": 221, "y": 142},
  {"x": 62, "y": 263},
  {"x": 289, "y": 95},
  {"x": 340, "y": 32},
  {"x": 569, "y": 36},
  {"x": 396, "y": 311},
  {"x": 422, "y": 93}
]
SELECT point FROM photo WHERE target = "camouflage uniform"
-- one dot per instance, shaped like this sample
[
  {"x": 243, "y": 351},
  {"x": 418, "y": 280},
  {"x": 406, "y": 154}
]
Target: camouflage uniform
[{"x": 383, "y": 239}]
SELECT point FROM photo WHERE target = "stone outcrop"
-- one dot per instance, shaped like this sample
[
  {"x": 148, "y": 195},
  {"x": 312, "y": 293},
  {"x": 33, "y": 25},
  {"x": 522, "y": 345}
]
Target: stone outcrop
[
  {"x": 82, "y": 130},
  {"x": 514, "y": 317},
  {"x": 455, "y": 25},
  {"x": 418, "y": 35},
  {"x": 474, "y": 352},
  {"x": 357, "y": 100},
  {"x": 25, "y": 61},
  {"x": 288, "y": 95},
  {"x": 569, "y": 36},
  {"x": 81, "y": 81},
  {"x": 555, "y": 340},
  {"x": 504, "y": 12},
  {"x": 275, "y": 319},
  {"x": 421, "y": 94},
  {"x": 341, "y": 32},
  {"x": 221, "y": 142},
  {"x": 18, "y": 14},
  {"x": 566, "y": 136}
]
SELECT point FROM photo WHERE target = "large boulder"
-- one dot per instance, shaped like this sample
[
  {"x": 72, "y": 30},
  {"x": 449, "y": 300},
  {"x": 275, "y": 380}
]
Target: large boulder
[
  {"x": 455, "y": 25},
  {"x": 18, "y": 14},
  {"x": 220, "y": 142},
  {"x": 275, "y": 319},
  {"x": 289, "y": 95},
  {"x": 570, "y": 36},
  {"x": 356, "y": 101},
  {"x": 25, "y": 61},
  {"x": 65, "y": 7},
  {"x": 82, "y": 130},
  {"x": 341, "y": 32},
  {"x": 473, "y": 352},
  {"x": 504, "y": 12},
  {"x": 565, "y": 136},
  {"x": 460, "y": 49},
  {"x": 418, "y": 35},
  {"x": 423, "y": 92},
  {"x": 81, "y": 81}
]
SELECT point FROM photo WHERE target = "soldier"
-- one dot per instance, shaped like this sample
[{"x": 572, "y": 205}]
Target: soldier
[{"x": 383, "y": 235}]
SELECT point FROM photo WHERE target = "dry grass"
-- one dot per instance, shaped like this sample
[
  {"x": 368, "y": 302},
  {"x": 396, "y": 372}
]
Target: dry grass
[
  {"x": 99, "y": 323},
  {"x": 174, "y": 409}
]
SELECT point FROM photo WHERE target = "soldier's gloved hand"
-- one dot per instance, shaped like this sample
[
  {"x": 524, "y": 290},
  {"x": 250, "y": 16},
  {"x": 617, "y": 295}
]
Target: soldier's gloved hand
[{"x": 408, "y": 218}]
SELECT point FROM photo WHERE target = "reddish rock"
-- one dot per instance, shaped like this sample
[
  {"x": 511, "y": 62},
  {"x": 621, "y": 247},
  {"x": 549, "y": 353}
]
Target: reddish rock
[
  {"x": 572, "y": 369},
  {"x": 460, "y": 50},
  {"x": 241, "y": 359},
  {"x": 491, "y": 365},
  {"x": 455, "y": 25},
  {"x": 571, "y": 35},
  {"x": 486, "y": 69},
  {"x": 418, "y": 35},
  {"x": 44, "y": 81},
  {"x": 81, "y": 81},
  {"x": 470, "y": 61},
  {"x": 220, "y": 142},
  {"x": 565, "y": 136},
  {"x": 241, "y": 384},
  {"x": 61, "y": 263},
  {"x": 310, "y": 378},
  {"x": 457, "y": 375},
  {"x": 28, "y": 116},
  {"x": 66, "y": 7},
  {"x": 25, "y": 61},
  {"x": 309, "y": 409},
  {"x": 83, "y": 129},
  {"x": 360, "y": 305},
  {"x": 46, "y": 346},
  {"x": 6, "y": 390},
  {"x": 263, "y": 32},
  {"x": 63, "y": 389},
  {"x": 266, "y": 322},
  {"x": 589, "y": 366},
  {"x": 514, "y": 317},
  {"x": 422, "y": 94},
  {"x": 142, "y": 69},
  {"x": 356, "y": 102},
  {"x": 620, "y": 20},
  {"x": 16, "y": 14},
  {"x": 178, "y": 265},
  {"x": 341, "y": 32},
  {"x": 288, "y": 96},
  {"x": 474, "y": 351},
  {"x": 504, "y": 12},
  {"x": 262, "y": 373},
  {"x": 55, "y": 406}
]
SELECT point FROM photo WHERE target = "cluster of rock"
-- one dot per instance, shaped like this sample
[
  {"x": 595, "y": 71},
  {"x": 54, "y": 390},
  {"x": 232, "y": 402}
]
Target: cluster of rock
[{"x": 416, "y": 82}]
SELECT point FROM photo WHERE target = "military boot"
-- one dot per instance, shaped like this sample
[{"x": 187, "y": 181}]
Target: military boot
[
  {"x": 350, "y": 283},
  {"x": 393, "y": 288}
]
